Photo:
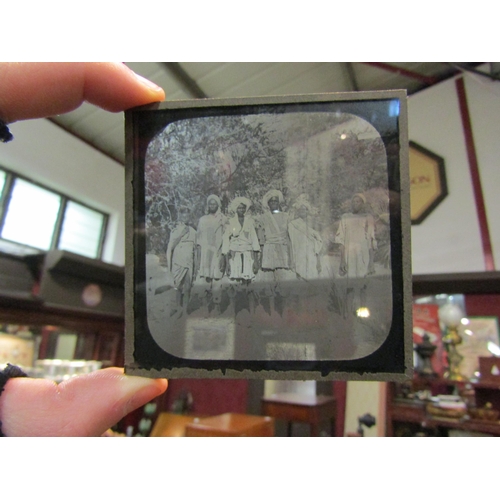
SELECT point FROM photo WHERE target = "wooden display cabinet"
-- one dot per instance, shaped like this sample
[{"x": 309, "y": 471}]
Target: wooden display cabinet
[
  {"x": 48, "y": 292},
  {"x": 410, "y": 417},
  {"x": 406, "y": 417}
]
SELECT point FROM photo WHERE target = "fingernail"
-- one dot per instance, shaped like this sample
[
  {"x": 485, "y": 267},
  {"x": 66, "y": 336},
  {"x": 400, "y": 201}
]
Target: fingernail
[
  {"x": 139, "y": 391},
  {"x": 134, "y": 384}
]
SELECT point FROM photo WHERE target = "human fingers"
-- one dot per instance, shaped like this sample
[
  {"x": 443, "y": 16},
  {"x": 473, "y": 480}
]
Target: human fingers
[
  {"x": 36, "y": 90},
  {"x": 87, "y": 405}
]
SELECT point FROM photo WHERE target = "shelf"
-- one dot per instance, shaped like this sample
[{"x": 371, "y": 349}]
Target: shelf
[
  {"x": 486, "y": 385},
  {"x": 476, "y": 286},
  {"x": 466, "y": 283},
  {"x": 414, "y": 413}
]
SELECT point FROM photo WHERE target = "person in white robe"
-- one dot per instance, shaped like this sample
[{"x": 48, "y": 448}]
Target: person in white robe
[
  {"x": 274, "y": 226},
  {"x": 356, "y": 236},
  {"x": 181, "y": 255},
  {"x": 240, "y": 243},
  {"x": 209, "y": 240},
  {"x": 307, "y": 243}
]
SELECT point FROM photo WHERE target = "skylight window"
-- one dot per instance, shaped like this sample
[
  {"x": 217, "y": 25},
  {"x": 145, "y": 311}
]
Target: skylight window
[
  {"x": 40, "y": 218},
  {"x": 3, "y": 176},
  {"x": 81, "y": 230},
  {"x": 31, "y": 215}
]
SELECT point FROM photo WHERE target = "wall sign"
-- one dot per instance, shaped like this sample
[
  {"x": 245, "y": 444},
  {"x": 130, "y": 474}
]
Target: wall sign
[{"x": 427, "y": 182}]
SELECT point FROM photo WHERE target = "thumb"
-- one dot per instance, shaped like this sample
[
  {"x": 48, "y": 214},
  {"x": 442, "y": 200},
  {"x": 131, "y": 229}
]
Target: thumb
[{"x": 87, "y": 405}]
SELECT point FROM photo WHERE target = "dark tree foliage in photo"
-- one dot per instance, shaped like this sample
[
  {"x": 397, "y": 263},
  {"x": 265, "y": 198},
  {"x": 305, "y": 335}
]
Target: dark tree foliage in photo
[{"x": 326, "y": 156}]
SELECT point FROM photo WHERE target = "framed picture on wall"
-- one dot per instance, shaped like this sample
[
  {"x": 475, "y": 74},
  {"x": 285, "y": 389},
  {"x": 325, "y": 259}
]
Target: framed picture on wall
[{"x": 269, "y": 238}]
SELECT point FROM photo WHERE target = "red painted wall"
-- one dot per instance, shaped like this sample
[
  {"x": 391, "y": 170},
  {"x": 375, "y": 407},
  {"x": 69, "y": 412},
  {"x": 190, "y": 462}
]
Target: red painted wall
[
  {"x": 210, "y": 396},
  {"x": 482, "y": 305},
  {"x": 340, "y": 392},
  {"x": 216, "y": 396}
]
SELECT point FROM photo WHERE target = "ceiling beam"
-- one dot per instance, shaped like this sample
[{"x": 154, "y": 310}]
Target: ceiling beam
[
  {"x": 463, "y": 67},
  {"x": 86, "y": 141},
  {"x": 352, "y": 76},
  {"x": 429, "y": 80},
  {"x": 185, "y": 79}
]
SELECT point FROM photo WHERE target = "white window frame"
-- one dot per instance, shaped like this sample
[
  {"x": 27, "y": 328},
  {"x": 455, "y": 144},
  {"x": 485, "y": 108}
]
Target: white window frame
[{"x": 5, "y": 195}]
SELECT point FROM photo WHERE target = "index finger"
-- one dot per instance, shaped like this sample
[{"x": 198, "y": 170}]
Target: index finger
[
  {"x": 86, "y": 405},
  {"x": 36, "y": 90}
]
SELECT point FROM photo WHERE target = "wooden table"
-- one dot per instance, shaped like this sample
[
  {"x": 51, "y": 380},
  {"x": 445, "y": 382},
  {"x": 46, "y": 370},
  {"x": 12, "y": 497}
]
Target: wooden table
[
  {"x": 172, "y": 424},
  {"x": 231, "y": 425},
  {"x": 294, "y": 407}
]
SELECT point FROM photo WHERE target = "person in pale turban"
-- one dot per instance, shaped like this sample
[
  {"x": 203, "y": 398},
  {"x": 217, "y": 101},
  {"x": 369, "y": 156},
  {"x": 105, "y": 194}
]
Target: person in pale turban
[
  {"x": 181, "y": 255},
  {"x": 273, "y": 193},
  {"x": 274, "y": 223},
  {"x": 240, "y": 243},
  {"x": 209, "y": 239},
  {"x": 356, "y": 236},
  {"x": 306, "y": 241}
]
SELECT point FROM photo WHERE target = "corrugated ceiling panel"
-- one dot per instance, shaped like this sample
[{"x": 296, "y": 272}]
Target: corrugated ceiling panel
[
  {"x": 219, "y": 79},
  {"x": 98, "y": 123},
  {"x": 273, "y": 77},
  {"x": 223, "y": 78},
  {"x": 325, "y": 77},
  {"x": 198, "y": 70},
  {"x": 159, "y": 74},
  {"x": 370, "y": 77}
]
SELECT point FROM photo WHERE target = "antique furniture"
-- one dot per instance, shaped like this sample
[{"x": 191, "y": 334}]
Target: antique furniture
[
  {"x": 451, "y": 315},
  {"x": 231, "y": 425},
  {"x": 410, "y": 417},
  {"x": 172, "y": 424},
  {"x": 62, "y": 292},
  {"x": 415, "y": 417},
  {"x": 310, "y": 409}
]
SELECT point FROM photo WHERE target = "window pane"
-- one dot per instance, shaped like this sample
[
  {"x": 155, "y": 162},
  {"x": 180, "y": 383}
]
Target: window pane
[
  {"x": 31, "y": 215},
  {"x": 3, "y": 175},
  {"x": 81, "y": 230}
]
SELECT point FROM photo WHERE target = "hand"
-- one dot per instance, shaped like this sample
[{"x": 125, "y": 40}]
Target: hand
[
  {"x": 37, "y": 90},
  {"x": 89, "y": 404},
  {"x": 86, "y": 405}
]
